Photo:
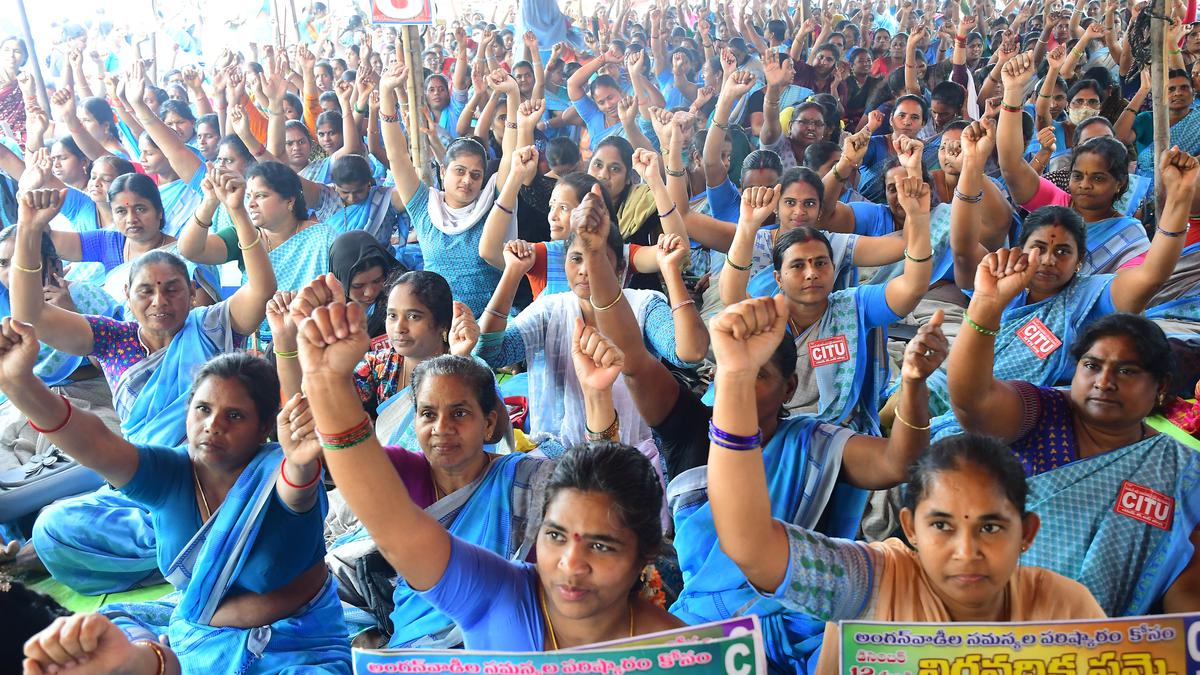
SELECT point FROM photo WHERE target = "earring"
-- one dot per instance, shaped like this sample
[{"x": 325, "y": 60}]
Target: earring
[
  {"x": 1161, "y": 397},
  {"x": 446, "y": 337}
]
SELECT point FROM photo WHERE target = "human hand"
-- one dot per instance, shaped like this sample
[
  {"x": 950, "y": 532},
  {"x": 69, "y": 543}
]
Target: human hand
[
  {"x": 1003, "y": 274},
  {"x": 525, "y": 164},
  {"x": 297, "y": 432},
  {"x": 1047, "y": 139},
  {"x": 279, "y": 318},
  {"x": 36, "y": 208},
  {"x": 926, "y": 351},
  {"x": 745, "y": 335},
  {"x": 646, "y": 163},
  {"x": 598, "y": 362},
  {"x": 779, "y": 74},
  {"x": 57, "y": 292},
  {"x": 79, "y": 644},
  {"x": 1017, "y": 72},
  {"x": 464, "y": 331},
  {"x": 627, "y": 110},
  {"x": 227, "y": 186},
  {"x": 591, "y": 220},
  {"x": 979, "y": 139},
  {"x": 18, "y": 351},
  {"x": 333, "y": 339},
  {"x": 758, "y": 204},
  {"x": 1177, "y": 171},
  {"x": 909, "y": 151},
  {"x": 913, "y": 195},
  {"x": 672, "y": 252}
]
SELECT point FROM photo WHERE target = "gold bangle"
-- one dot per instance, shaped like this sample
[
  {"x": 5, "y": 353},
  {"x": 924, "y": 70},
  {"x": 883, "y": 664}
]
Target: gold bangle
[
  {"x": 286, "y": 355},
  {"x": 908, "y": 424},
  {"x": 609, "y": 305},
  {"x": 35, "y": 270},
  {"x": 252, "y": 244},
  {"x": 162, "y": 658}
]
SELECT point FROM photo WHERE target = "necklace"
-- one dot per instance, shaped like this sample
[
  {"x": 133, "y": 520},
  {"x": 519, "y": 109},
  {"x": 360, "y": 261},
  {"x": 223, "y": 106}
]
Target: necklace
[
  {"x": 437, "y": 490},
  {"x": 206, "y": 512},
  {"x": 550, "y": 622},
  {"x": 128, "y": 246}
]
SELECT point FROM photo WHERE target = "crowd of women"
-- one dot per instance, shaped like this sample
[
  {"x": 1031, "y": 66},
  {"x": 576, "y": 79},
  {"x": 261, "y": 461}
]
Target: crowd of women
[{"x": 910, "y": 278}]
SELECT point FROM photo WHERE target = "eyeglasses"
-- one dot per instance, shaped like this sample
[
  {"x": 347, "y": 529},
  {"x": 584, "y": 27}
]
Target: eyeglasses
[{"x": 816, "y": 124}]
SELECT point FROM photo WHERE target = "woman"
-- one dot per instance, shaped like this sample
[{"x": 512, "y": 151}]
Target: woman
[
  {"x": 598, "y": 105},
  {"x": 69, "y": 164},
  {"x": 208, "y": 136},
  {"x": 363, "y": 267},
  {"x": 147, "y": 362},
  {"x": 449, "y": 224},
  {"x": 179, "y": 118},
  {"x": 255, "y": 564},
  {"x": 639, "y": 213},
  {"x": 94, "y": 118},
  {"x": 1099, "y": 176},
  {"x": 539, "y": 335},
  {"x": 600, "y": 523},
  {"x": 908, "y": 117},
  {"x": 13, "y": 55},
  {"x": 1090, "y": 440}
]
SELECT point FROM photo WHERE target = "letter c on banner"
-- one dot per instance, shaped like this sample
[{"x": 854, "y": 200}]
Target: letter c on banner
[
  {"x": 1193, "y": 644},
  {"x": 739, "y": 651}
]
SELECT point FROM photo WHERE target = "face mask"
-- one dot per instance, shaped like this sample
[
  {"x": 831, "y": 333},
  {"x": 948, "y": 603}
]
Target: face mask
[{"x": 1077, "y": 115}]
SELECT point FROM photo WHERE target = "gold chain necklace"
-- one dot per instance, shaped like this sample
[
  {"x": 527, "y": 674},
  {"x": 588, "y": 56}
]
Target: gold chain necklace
[
  {"x": 550, "y": 622},
  {"x": 206, "y": 512}
]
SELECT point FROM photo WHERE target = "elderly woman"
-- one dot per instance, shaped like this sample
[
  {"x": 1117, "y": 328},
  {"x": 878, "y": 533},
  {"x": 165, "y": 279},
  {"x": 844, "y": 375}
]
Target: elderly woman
[
  {"x": 1118, "y": 500},
  {"x": 148, "y": 362}
]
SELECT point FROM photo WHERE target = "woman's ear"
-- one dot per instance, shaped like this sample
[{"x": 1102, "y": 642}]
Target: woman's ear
[
  {"x": 908, "y": 524},
  {"x": 1030, "y": 524}
]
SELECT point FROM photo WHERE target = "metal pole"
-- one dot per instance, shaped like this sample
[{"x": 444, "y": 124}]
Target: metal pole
[
  {"x": 154, "y": 44},
  {"x": 1158, "y": 89},
  {"x": 38, "y": 80}
]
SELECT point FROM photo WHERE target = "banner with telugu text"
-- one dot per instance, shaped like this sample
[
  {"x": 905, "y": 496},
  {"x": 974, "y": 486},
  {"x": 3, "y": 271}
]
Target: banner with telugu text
[
  {"x": 732, "y": 647},
  {"x": 1144, "y": 645}
]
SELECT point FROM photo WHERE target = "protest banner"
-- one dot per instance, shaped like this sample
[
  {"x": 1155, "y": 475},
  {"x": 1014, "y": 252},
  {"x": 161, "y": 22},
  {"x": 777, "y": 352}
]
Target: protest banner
[
  {"x": 1146, "y": 645},
  {"x": 732, "y": 647},
  {"x": 402, "y": 11}
]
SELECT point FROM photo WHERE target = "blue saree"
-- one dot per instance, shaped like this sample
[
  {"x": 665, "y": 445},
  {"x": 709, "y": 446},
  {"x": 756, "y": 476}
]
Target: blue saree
[
  {"x": 180, "y": 200},
  {"x": 803, "y": 462},
  {"x": 1113, "y": 242},
  {"x": 374, "y": 215}
]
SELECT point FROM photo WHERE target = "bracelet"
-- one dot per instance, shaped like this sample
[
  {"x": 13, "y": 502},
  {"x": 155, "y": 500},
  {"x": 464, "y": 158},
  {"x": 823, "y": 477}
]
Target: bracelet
[
  {"x": 970, "y": 200},
  {"x": 1010, "y": 108},
  {"x": 283, "y": 476},
  {"x": 722, "y": 127},
  {"x": 683, "y": 304},
  {"x": 498, "y": 315},
  {"x": 610, "y": 433},
  {"x": 908, "y": 424},
  {"x": 669, "y": 211},
  {"x": 917, "y": 260},
  {"x": 767, "y": 101},
  {"x": 1164, "y": 233},
  {"x": 252, "y": 244},
  {"x": 676, "y": 174},
  {"x": 1174, "y": 51},
  {"x": 510, "y": 125},
  {"x": 390, "y": 119},
  {"x": 59, "y": 427},
  {"x": 285, "y": 355},
  {"x": 36, "y": 270},
  {"x": 609, "y": 305},
  {"x": 347, "y": 439},
  {"x": 1129, "y": 109},
  {"x": 201, "y": 223},
  {"x": 1041, "y": 95},
  {"x": 981, "y": 329},
  {"x": 359, "y": 110},
  {"x": 262, "y": 150},
  {"x": 1078, "y": 53},
  {"x": 730, "y": 441},
  {"x": 739, "y": 267},
  {"x": 502, "y": 208},
  {"x": 162, "y": 658}
]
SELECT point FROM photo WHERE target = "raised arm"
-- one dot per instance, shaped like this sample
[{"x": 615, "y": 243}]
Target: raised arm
[
  {"x": 1054, "y": 60},
  {"x": 779, "y": 76},
  {"x": 499, "y": 220},
  {"x": 183, "y": 161},
  {"x": 577, "y": 83},
  {"x": 597, "y": 363},
  {"x": 758, "y": 204},
  {"x": 966, "y": 215},
  {"x": 835, "y": 216},
  {"x": 905, "y": 291},
  {"x": 197, "y": 242},
  {"x": 1021, "y": 179},
  {"x": 1123, "y": 129},
  {"x": 912, "y": 84},
  {"x": 63, "y": 104},
  {"x": 732, "y": 90},
  {"x": 539, "y": 70},
  {"x": 37, "y": 175},
  {"x": 407, "y": 179},
  {"x": 247, "y": 307}
]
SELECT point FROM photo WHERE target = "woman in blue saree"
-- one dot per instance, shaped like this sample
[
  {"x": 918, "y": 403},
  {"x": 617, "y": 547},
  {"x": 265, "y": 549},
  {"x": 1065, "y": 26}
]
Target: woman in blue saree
[
  {"x": 237, "y": 525},
  {"x": 1120, "y": 502},
  {"x": 148, "y": 363}
]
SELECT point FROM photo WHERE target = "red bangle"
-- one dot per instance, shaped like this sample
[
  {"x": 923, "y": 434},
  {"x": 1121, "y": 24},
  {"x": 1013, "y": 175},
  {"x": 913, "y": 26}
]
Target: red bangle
[
  {"x": 283, "y": 476},
  {"x": 59, "y": 427}
]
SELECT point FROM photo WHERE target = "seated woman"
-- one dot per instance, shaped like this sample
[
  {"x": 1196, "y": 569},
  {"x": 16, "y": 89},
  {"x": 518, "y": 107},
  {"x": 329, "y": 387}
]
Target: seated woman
[
  {"x": 92, "y": 124},
  {"x": 908, "y": 117},
  {"x": 449, "y": 224},
  {"x": 148, "y": 363},
  {"x": 1089, "y": 451},
  {"x": 364, "y": 268},
  {"x": 232, "y": 155},
  {"x": 1099, "y": 177},
  {"x": 237, "y": 527},
  {"x": 599, "y": 521},
  {"x": 69, "y": 164},
  {"x": 540, "y": 335}
]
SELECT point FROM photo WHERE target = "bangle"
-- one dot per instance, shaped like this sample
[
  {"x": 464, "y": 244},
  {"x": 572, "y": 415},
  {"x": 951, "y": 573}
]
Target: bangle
[
  {"x": 498, "y": 315},
  {"x": 285, "y": 355},
  {"x": 1175, "y": 51},
  {"x": 669, "y": 211},
  {"x": 283, "y": 476},
  {"x": 837, "y": 175},
  {"x": 262, "y": 150},
  {"x": 1041, "y": 95},
  {"x": 676, "y": 174},
  {"x": 722, "y": 127},
  {"x": 510, "y": 125},
  {"x": 384, "y": 117},
  {"x": 503, "y": 208},
  {"x": 1010, "y": 108},
  {"x": 610, "y": 433},
  {"x": 681, "y": 305},
  {"x": 59, "y": 427},
  {"x": 201, "y": 223},
  {"x": 908, "y": 424},
  {"x": 981, "y": 329},
  {"x": 1158, "y": 228},
  {"x": 970, "y": 200},
  {"x": 767, "y": 101},
  {"x": 1078, "y": 53},
  {"x": 917, "y": 260},
  {"x": 252, "y": 244},
  {"x": 609, "y": 305},
  {"x": 347, "y": 439},
  {"x": 738, "y": 267},
  {"x": 1129, "y": 109},
  {"x": 730, "y": 441},
  {"x": 359, "y": 110},
  {"x": 158, "y": 651},
  {"x": 35, "y": 270}
]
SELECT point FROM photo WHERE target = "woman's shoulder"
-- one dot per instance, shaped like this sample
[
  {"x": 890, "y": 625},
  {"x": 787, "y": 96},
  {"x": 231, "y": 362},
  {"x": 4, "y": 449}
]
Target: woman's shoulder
[{"x": 1040, "y": 595}]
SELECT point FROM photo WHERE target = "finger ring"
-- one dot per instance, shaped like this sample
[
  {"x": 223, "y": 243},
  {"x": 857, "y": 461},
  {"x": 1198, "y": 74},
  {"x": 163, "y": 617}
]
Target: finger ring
[{"x": 928, "y": 352}]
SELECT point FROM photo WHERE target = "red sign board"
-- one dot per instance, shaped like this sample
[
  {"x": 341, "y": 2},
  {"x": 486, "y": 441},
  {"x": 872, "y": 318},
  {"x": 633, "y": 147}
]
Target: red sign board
[{"x": 402, "y": 11}]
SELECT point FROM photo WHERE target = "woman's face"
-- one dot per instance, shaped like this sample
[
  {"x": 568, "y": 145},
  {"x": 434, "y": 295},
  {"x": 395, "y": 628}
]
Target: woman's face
[
  {"x": 91, "y": 125},
  {"x": 881, "y": 41},
  {"x": 102, "y": 176},
  {"x": 451, "y": 427},
  {"x": 975, "y": 49},
  {"x": 587, "y": 559},
  {"x": 222, "y": 424},
  {"x": 798, "y": 206},
  {"x": 1086, "y": 98},
  {"x": 890, "y": 187},
  {"x": 563, "y": 200},
  {"x": 861, "y": 65},
  {"x": 7, "y": 247},
  {"x": 1059, "y": 258},
  {"x": 298, "y": 147},
  {"x": 267, "y": 207},
  {"x": 1191, "y": 43},
  {"x": 230, "y": 159},
  {"x": 136, "y": 217},
  {"x": 808, "y": 126},
  {"x": 207, "y": 139},
  {"x": 463, "y": 179},
  {"x": 950, "y": 152},
  {"x": 577, "y": 272},
  {"x": 1179, "y": 93},
  {"x": 366, "y": 285},
  {"x": 609, "y": 168},
  {"x": 329, "y": 138},
  {"x": 908, "y": 118},
  {"x": 154, "y": 160},
  {"x": 606, "y": 99},
  {"x": 67, "y": 167},
  {"x": 1058, "y": 102},
  {"x": 1091, "y": 184},
  {"x": 896, "y": 47},
  {"x": 437, "y": 93},
  {"x": 968, "y": 538},
  {"x": 1111, "y": 388},
  {"x": 411, "y": 327},
  {"x": 11, "y": 55},
  {"x": 807, "y": 274},
  {"x": 182, "y": 126},
  {"x": 160, "y": 297},
  {"x": 290, "y": 111}
]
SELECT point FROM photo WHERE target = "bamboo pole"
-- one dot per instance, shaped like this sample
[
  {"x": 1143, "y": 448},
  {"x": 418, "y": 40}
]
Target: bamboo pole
[
  {"x": 154, "y": 44},
  {"x": 411, "y": 41},
  {"x": 1158, "y": 88},
  {"x": 38, "y": 80}
]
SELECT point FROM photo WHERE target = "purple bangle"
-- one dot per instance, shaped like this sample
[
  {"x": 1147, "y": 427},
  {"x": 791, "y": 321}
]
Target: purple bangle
[
  {"x": 730, "y": 441},
  {"x": 501, "y": 207}
]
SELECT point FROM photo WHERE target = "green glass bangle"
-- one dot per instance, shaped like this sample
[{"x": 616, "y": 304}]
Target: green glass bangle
[{"x": 981, "y": 329}]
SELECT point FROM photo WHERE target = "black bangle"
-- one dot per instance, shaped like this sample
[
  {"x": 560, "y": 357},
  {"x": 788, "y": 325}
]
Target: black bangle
[
  {"x": 917, "y": 260},
  {"x": 1164, "y": 233},
  {"x": 677, "y": 174},
  {"x": 970, "y": 200},
  {"x": 736, "y": 266},
  {"x": 669, "y": 211},
  {"x": 502, "y": 208},
  {"x": 723, "y": 127}
]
